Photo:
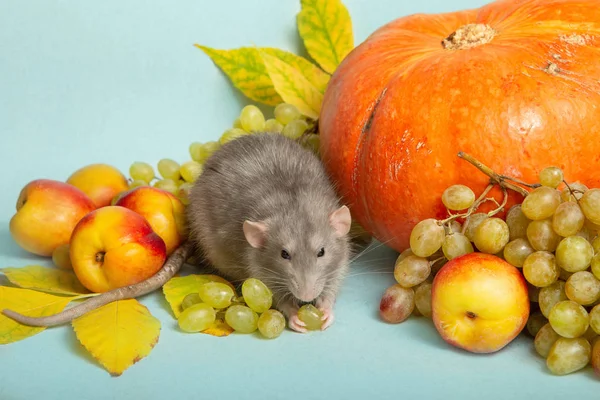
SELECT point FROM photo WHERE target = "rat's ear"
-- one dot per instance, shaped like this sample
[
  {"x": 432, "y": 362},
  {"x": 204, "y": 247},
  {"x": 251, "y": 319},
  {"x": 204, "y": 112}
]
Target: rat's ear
[
  {"x": 340, "y": 221},
  {"x": 255, "y": 233}
]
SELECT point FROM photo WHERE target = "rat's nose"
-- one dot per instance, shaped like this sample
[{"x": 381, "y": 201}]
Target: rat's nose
[{"x": 303, "y": 303}]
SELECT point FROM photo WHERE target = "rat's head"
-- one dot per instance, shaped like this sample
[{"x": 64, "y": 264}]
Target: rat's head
[{"x": 298, "y": 257}]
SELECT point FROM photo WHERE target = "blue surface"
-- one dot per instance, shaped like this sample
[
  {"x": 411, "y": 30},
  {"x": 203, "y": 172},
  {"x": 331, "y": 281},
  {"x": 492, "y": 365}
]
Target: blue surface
[{"x": 112, "y": 81}]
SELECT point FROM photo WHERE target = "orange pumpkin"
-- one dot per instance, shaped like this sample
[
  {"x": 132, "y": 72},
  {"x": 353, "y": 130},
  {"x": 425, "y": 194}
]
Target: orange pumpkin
[{"x": 515, "y": 83}]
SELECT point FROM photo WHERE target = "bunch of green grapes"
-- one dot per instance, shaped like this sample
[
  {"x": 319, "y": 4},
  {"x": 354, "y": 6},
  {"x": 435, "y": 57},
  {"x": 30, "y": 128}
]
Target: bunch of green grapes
[
  {"x": 246, "y": 314},
  {"x": 552, "y": 237},
  {"x": 178, "y": 178}
]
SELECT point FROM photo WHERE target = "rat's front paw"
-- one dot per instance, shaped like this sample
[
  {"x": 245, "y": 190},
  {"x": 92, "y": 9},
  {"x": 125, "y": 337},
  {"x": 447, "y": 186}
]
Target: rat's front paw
[
  {"x": 326, "y": 307},
  {"x": 296, "y": 324}
]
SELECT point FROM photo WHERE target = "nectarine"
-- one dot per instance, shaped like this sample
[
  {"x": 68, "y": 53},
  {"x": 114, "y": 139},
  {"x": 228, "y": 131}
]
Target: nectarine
[{"x": 101, "y": 182}]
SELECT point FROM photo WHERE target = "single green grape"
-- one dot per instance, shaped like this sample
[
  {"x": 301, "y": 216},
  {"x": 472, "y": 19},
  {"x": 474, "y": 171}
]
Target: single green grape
[
  {"x": 491, "y": 236},
  {"x": 201, "y": 152},
  {"x": 423, "y": 299},
  {"x": 231, "y": 134},
  {"x": 257, "y": 295},
  {"x": 569, "y": 319},
  {"x": 141, "y": 171},
  {"x": 404, "y": 254},
  {"x": 533, "y": 292},
  {"x": 574, "y": 253},
  {"x": 541, "y": 203},
  {"x": 216, "y": 294},
  {"x": 311, "y": 316},
  {"x": 167, "y": 185},
  {"x": 516, "y": 251},
  {"x": 472, "y": 223},
  {"x": 541, "y": 236},
  {"x": 295, "y": 129},
  {"x": 455, "y": 226},
  {"x": 540, "y": 269},
  {"x": 191, "y": 170},
  {"x": 582, "y": 287},
  {"x": 273, "y": 126},
  {"x": 517, "y": 222},
  {"x": 458, "y": 197},
  {"x": 568, "y": 219},
  {"x": 456, "y": 245},
  {"x": 135, "y": 183},
  {"x": 169, "y": 169},
  {"x": 590, "y": 205},
  {"x": 577, "y": 190},
  {"x": 189, "y": 300},
  {"x": 241, "y": 318},
  {"x": 237, "y": 123},
  {"x": 545, "y": 339},
  {"x": 271, "y": 323},
  {"x": 535, "y": 322},
  {"x": 595, "y": 319},
  {"x": 595, "y": 265},
  {"x": 568, "y": 355},
  {"x": 596, "y": 355},
  {"x": 252, "y": 119},
  {"x": 550, "y": 295},
  {"x": 596, "y": 244},
  {"x": 426, "y": 237},
  {"x": 313, "y": 142},
  {"x": 286, "y": 113},
  {"x": 183, "y": 192},
  {"x": 61, "y": 257},
  {"x": 551, "y": 177},
  {"x": 196, "y": 318},
  {"x": 411, "y": 271}
]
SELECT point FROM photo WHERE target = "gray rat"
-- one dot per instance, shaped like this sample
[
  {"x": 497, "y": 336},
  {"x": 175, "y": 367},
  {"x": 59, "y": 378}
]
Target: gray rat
[{"x": 264, "y": 207}]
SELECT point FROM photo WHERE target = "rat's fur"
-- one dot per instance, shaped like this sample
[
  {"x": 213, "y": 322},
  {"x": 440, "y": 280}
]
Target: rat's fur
[{"x": 270, "y": 179}]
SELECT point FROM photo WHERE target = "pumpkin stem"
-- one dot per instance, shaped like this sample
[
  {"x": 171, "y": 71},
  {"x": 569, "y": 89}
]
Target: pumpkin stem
[
  {"x": 497, "y": 178},
  {"x": 469, "y": 36}
]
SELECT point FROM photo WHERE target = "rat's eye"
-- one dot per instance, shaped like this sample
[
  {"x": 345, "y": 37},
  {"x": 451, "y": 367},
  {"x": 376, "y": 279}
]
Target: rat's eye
[
  {"x": 286, "y": 255},
  {"x": 321, "y": 252}
]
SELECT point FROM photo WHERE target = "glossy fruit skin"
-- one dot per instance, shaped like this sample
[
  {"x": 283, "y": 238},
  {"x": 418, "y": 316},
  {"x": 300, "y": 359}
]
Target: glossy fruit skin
[
  {"x": 101, "y": 182},
  {"x": 47, "y": 213},
  {"x": 479, "y": 302},
  {"x": 400, "y": 107},
  {"x": 164, "y": 212},
  {"x": 112, "y": 247}
]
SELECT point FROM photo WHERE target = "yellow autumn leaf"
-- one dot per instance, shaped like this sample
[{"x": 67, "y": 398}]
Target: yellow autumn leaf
[
  {"x": 118, "y": 334},
  {"x": 218, "y": 328},
  {"x": 30, "y": 303},
  {"x": 180, "y": 286},
  {"x": 293, "y": 87},
  {"x": 326, "y": 28},
  {"x": 50, "y": 280},
  {"x": 247, "y": 72}
]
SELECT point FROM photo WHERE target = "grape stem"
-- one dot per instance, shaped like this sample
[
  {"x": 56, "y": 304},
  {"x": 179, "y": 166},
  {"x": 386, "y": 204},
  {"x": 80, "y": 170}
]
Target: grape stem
[
  {"x": 497, "y": 178},
  {"x": 572, "y": 191},
  {"x": 480, "y": 200}
]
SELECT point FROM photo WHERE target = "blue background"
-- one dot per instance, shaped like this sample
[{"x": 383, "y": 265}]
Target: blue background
[{"x": 113, "y": 81}]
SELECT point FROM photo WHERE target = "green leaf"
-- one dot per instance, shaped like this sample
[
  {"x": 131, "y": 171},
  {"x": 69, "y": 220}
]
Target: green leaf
[
  {"x": 246, "y": 70},
  {"x": 292, "y": 86},
  {"x": 45, "y": 279},
  {"x": 30, "y": 303},
  {"x": 326, "y": 28}
]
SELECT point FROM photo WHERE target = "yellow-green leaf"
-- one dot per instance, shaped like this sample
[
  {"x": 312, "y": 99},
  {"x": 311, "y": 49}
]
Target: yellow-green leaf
[
  {"x": 30, "y": 303},
  {"x": 246, "y": 70},
  {"x": 315, "y": 75},
  {"x": 219, "y": 328},
  {"x": 293, "y": 87},
  {"x": 50, "y": 280},
  {"x": 326, "y": 28},
  {"x": 180, "y": 286},
  {"x": 118, "y": 334}
]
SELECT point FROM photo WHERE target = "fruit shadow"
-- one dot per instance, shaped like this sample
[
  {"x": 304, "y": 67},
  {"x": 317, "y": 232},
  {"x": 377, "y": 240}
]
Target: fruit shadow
[{"x": 75, "y": 347}]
